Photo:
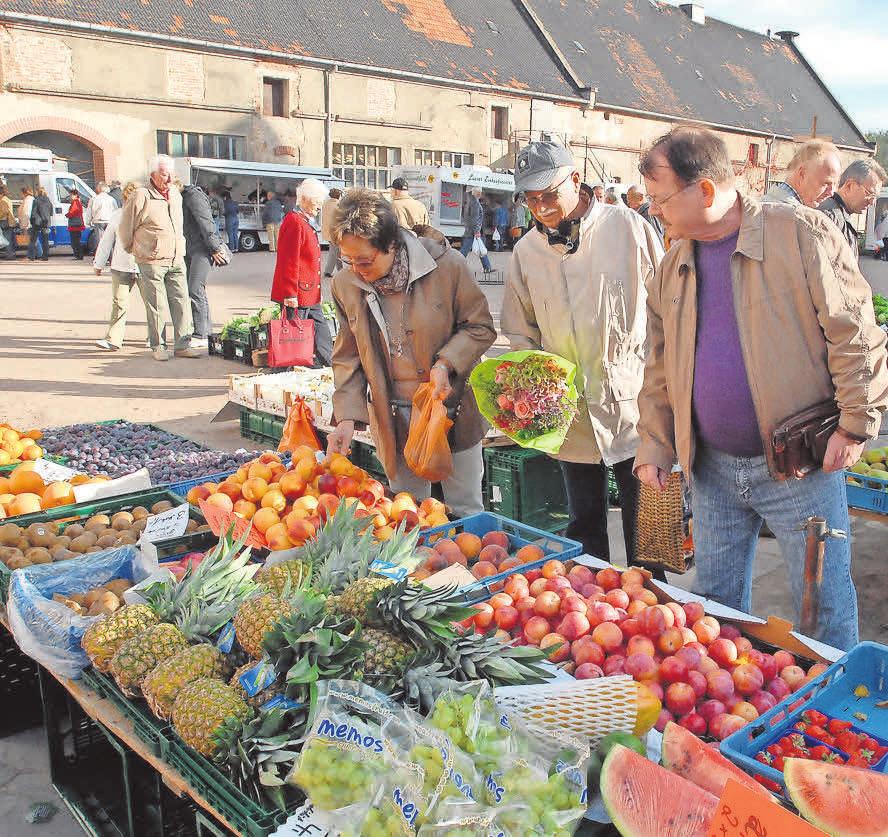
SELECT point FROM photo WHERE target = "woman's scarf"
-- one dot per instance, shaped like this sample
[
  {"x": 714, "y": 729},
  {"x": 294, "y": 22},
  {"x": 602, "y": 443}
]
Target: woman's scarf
[{"x": 398, "y": 276}]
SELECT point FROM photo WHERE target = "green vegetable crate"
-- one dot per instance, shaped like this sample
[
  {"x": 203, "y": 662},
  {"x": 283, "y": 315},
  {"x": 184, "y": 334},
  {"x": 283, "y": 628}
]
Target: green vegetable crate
[
  {"x": 59, "y": 460},
  {"x": 261, "y": 427}
]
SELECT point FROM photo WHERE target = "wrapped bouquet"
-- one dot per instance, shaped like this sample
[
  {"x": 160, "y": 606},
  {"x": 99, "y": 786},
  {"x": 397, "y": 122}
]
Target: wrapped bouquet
[{"x": 529, "y": 395}]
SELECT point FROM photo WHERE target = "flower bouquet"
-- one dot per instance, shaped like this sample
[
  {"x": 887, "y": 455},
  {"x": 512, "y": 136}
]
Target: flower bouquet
[{"x": 529, "y": 395}]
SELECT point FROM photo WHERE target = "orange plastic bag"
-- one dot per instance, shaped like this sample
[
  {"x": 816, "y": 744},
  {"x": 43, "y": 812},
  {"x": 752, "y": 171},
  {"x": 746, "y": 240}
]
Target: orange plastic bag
[
  {"x": 427, "y": 452},
  {"x": 299, "y": 429}
]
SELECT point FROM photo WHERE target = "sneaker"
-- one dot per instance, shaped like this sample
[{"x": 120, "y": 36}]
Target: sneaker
[
  {"x": 200, "y": 342},
  {"x": 159, "y": 353},
  {"x": 190, "y": 351},
  {"x": 107, "y": 345}
]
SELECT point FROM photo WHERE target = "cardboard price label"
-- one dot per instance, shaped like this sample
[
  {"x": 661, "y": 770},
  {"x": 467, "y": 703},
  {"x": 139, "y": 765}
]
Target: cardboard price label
[
  {"x": 742, "y": 812},
  {"x": 220, "y": 522},
  {"x": 52, "y": 471},
  {"x": 303, "y": 822},
  {"x": 169, "y": 524}
]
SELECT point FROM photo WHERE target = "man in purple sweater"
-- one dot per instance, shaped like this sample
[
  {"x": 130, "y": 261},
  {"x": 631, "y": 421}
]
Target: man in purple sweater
[{"x": 758, "y": 311}]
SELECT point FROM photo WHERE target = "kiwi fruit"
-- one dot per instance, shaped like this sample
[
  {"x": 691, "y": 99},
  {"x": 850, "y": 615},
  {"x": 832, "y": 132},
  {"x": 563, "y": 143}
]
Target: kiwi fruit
[
  {"x": 92, "y": 596},
  {"x": 62, "y": 553},
  {"x": 161, "y": 506},
  {"x": 107, "y": 541},
  {"x": 127, "y": 539},
  {"x": 122, "y": 520},
  {"x": 38, "y": 555},
  {"x": 40, "y": 535},
  {"x": 9, "y": 534},
  {"x": 23, "y": 544},
  {"x": 139, "y": 525},
  {"x": 18, "y": 562},
  {"x": 62, "y": 540},
  {"x": 97, "y": 522},
  {"x": 204, "y": 528},
  {"x": 80, "y": 544},
  {"x": 109, "y": 600},
  {"x": 93, "y": 549},
  {"x": 139, "y": 513},
  {"x": 74, "y": 530}
]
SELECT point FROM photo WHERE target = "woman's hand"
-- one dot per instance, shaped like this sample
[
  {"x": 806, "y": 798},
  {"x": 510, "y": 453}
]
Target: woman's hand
[
  {"x": 339, "y": 441},
  {"x": 291, "y": 302},
  {"x": 440, "y": 380},
  {"x": 652, "y": 476}
]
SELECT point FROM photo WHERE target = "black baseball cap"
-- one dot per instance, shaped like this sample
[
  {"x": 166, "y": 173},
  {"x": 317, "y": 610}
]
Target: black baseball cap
[
  {"x": 399, "y": 183},
  {"x": 537, "y": 165}
]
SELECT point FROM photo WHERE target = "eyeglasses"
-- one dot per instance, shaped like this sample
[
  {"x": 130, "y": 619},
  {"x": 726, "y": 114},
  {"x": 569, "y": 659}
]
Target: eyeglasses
[
  {"x": 549, "y": 197},
  {"x": 362, "y": 264},
  {"x": 662, "y": 203},
  {"x": 871, "y": 194}
]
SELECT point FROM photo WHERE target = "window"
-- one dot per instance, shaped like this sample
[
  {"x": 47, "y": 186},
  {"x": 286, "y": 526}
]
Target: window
[
  {"x": 365, "y": 165},
  {"x": 456, "y": 159},
  {"x": 182, "y": 143},
  {"x": 499, "y": 122},
  {"x": 64, "y": 187},
  {"x": 752, "y": 156},
  {"x": 274, "y": 97}
]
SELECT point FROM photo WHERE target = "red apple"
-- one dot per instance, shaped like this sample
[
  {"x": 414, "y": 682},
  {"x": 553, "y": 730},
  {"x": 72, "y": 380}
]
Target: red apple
[
  {"x": 723, "y": 651},
  {"x": 710, "y": 708},
  {"x": 608, "y": 578},
  {"x": 608, "y": 636},
  {"x": 526, "y": 609},
  {"x": 763, "y": 701},
  {"x": 697, "y": 682},
  {"x": 768, "y": 666},
  {"x": 670, "y": 641},
  {"x": 663, "y": 718},
  {"x": 536, "y": 628},
  {"x": 707, "y": 629},
  {"x": 690, "y": 656},
  {"x": 693, "y": 722},
  {"x": 641, "y": 667},
  {"x": 506, "y": 617},
  {"x": 656, "y": 690},
  {"x": 744, "y": 646},
  {"x": 586, "y": 650},
  {"x": 693, "y": 611},
  {"x": 681, "y": 618},
  {"x": 730, "y": 724},
  {"x": 574, "y": 625},
  {"x": 673, "y": 670},
  {"x": 617, "y": 598},
  {"x": 499, "y": 600},
  {"x": 719, "y": 685},
  {"x": 580, "y": 575},
  {"x": 588, "y": 671},
  {"x": 794, "y": 677},
  {"x": 640, "y": 645},
  {"x": 484, "y": 617},
  {"x": 602, "y": 612},
  {"x": 559, "y": 584},
  {"x": 748, "y": 679},
  {"x": 547, "y": 604},
  {"x": 538, "y": 586},
  {"x": 745, "y": 710},
  {"x": 783, "y": 659},
  {"x": 614, "y": 665},
  {"x": 327, "y": 484},
  {"x": 680, "y": 698},
  {"x": 593, "y": 591},
  {"x": 729, "y": 632},
  {"x": 573, "y": 603},
  {"x": 707, "y": 664}
]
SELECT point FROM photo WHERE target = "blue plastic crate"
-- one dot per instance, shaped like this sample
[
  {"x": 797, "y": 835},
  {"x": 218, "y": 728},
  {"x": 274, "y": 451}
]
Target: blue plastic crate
[
  {"x": 520, "y": 534},
  {"x": 831, "y": 693},
  {"x": 867, "y": 492},
  {"x": 182, "y": 488}
]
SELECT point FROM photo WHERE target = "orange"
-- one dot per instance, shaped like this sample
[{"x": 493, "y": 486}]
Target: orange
[
  {"x": 212, "y": 487},
  {"x": 6, "y": 499},
  {"x": 469, "y": 544},
  {"x": 339, "y": 466},
  {"x": 36, "y": 435},
  {"x": 196, "y": 494},
  {"x": 79, "y": 479},
  {"x": 260, "y": 470},
  {"x": 26, "y": 482},
  {"x": 304, "y": 468},
  {"x": 58, "y": 494},
  {"x": 264, "y": 519},
  {"x": 292, "y": 486},
  {"x": 231, "y": 488},
  {"x": 268, "y": 458},
  {"x": 24, "y": 504},
  {"x": 254, "y": 489},
  {"x": 273, "y": 499},
  {"x": 302, "y": 452},
  {"x": 277, "y": 538}
]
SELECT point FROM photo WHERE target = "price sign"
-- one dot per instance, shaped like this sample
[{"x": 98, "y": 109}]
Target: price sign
[
  {"x": 742, "y": 812},
  {"x": 220, "y": 522},
  {"x": 52, "y": 471},
  {"x": 168, "y": 524},
  {"x": 136, "y": 481},
  {"x": 303, "y": 822}
]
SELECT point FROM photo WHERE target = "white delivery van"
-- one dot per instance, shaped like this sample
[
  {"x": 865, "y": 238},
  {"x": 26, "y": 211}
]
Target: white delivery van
[
  {"x": 249, "y": 183},
  {"x": 33, "y": 167},
  {"x": 873, "y": 216},
  {"x": 443, "y": 190}
]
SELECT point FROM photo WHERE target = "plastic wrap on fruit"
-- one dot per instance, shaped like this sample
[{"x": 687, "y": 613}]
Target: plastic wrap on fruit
[
  {"x": 396, "y": 809},
  {"x": 648, "y": 707},
  {"x": 462, "y": 824}
]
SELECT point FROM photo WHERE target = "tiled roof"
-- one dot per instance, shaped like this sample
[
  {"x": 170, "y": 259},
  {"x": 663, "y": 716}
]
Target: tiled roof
[{"x": 650, "y": 56}]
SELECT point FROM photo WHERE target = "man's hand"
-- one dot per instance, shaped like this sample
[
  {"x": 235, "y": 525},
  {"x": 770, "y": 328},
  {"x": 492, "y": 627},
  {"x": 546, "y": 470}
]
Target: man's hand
[
  {"x": 98, "y": 271},
  {"x": 440, "y": 380},
  {"x": 339, "y": 441},
  {"x": 217, "y": 258},
  {"x": 841, "y": 452},
  {"x": 652, "y": 476}
]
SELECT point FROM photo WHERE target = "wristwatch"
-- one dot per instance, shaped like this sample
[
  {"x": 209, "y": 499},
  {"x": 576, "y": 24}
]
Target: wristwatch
[{"x": 442, "y": 364}]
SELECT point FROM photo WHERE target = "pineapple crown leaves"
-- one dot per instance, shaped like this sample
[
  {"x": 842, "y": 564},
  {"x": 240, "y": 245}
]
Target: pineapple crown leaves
[
  {"x": 425, "y": 678},
  {"x": 424, "y": 614},
  {"x": 483, "y": 657}
]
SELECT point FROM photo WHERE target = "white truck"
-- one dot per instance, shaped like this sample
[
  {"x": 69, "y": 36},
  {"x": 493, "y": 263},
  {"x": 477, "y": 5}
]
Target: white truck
[
  {"x": 873, "y": 216},
  {"x": 33, "y": 167},
  {"x": 443, "y": 190},
  {"x": 249, "y": 183}
]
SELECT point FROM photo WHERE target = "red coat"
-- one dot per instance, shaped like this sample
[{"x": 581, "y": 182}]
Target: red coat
[
  {"x": 75, "y": 215},
  {"x": 297, "y": 272}
]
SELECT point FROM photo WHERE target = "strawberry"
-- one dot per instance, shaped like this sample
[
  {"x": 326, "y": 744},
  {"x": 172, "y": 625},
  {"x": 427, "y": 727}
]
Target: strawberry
[
  {"x": 764, "y": 757},
  {"x": 817, "y": 731},
  {"x": 857, "y": 761},
  {"x": 775, "y": 750},
  {"x": 820, "y": 752},
  {"x": 769, "y": 784},
  {"x": 835, "y": 726}
]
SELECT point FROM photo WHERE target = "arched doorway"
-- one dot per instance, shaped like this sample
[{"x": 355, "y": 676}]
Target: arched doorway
[{"x": 78, "y": 156}]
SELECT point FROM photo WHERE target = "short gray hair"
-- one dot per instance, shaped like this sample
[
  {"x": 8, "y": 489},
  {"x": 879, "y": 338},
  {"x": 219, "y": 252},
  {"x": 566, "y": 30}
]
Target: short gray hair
[
  {"x": 860, "y": 170},
  {"x": 159, "y": 161},
  {"x": 312, "y": 189}
]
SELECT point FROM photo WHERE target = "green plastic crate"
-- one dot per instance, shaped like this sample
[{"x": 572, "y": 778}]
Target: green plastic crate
[
  {"x": 364, "y": 456},
  {"x": 207, "y": 827},
  {"x": 261, "y": 427},
  {"x": 525, "y": 485},
  {"x": 59, "y": 460},
  {"x": 19, "y": 688}
]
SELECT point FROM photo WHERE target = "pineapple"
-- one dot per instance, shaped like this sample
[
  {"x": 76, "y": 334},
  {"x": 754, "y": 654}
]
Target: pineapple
[
  {"x": 338, "y": 554},
  {"x": 260, "y": 698},
  {"x": 255, "y": 617},
  {"x": 166, "y": 680},
  {"x": 284, "y": 578},
  {"x": 202, "y": 708},
  {"x": 385, "y": 659},
  {"x": 139, "y": 655},
  {"x": 358, "y": 599},
  {"x": 102, "y": 639}
]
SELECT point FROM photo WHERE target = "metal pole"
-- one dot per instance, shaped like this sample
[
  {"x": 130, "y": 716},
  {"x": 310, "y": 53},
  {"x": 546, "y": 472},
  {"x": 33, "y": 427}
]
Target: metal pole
[{"x": 815, "y": 531}]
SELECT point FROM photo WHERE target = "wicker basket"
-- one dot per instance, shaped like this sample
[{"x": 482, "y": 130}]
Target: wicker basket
[{"x": 660, "y": 531}]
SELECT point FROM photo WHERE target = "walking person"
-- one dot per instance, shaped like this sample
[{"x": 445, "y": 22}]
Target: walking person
[
  {"x": 501, "y": 222},
  {"x": 203, "y": 249},
  {"x": 473, "y": 221},
  {"x": 8, "y": 223},
  {"x": 41, "y": 220},
  {"x": 576, "y": 287},
  {"x": 328, "y": 213},
  {"x": 859, "y": 186},
  {"x": 272, "y": 216},
  {"x": 99, "y": 210},
  {"x": 75, "y": 224},
  {"x": 151, "y": 231},
  {"x": 758, "y": 312},
  {"x": 116, "y": 192},
  {"x": 24, "y": 216},
  {"x": 297, "y": 271},
  {"x": 217, "y": 209},
  {"x": 811, "y": 176},
  {"x": 410, "y": 312},
  {"x": 408, "y": 210},
  {"x": 124, "y": 277},
  {"x": 519, "y": 218},
  {"x": 232, "y": 222}
]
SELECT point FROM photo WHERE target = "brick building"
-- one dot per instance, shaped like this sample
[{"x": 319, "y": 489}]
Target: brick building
[{"x": 362, "y": 87}]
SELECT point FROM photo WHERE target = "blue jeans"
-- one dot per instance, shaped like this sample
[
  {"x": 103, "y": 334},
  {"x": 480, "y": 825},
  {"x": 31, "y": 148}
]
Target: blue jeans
[
  {"x": 232, "y": 227},
  {"x": 466, "y": 248},
  {"x": 38, "y": 243},
  {"x": 731, "y": 496}
]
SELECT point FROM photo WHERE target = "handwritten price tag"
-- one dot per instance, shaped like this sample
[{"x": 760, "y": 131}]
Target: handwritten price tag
[
  {"x": 168, "y": 524},
  {"x": 744, "y": 813},
  {"x": 303, "y": 823},
  {"x": 220, "y": 522},
  {"x": 52, "y": 471}
]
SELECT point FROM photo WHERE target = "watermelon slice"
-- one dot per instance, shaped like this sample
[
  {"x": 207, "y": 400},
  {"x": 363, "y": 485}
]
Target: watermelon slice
[
  {"x": 687, "y": 756},
  {"x": 842, "y": 801},
  {"x": 644, "y": 800}
]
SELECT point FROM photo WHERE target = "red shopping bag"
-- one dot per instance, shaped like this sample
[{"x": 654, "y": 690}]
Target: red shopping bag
[{"x": 290, "y": 342}]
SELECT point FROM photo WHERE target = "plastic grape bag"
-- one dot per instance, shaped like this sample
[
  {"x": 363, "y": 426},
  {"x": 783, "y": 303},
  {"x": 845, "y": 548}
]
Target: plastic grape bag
[
  {"x": 49, "y": 631},
  {"x": 396, "y": 809}
]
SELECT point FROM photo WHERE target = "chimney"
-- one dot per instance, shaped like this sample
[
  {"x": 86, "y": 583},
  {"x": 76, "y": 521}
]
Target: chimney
[
  {"x": 694, "y": 11},
  {"x": 787, "y": 35}
]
